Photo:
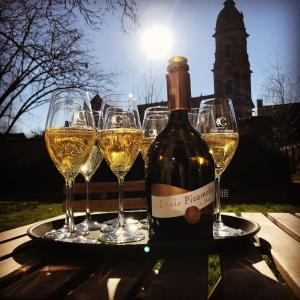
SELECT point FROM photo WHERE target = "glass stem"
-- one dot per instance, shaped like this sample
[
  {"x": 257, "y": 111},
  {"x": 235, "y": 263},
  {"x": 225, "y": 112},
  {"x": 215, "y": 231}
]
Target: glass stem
[
  {"x": 121, "y": 218},
  {"x": 218, "y": 217},
  {"x": 66, "y": 225},
  {"x": 70, "y": 204},
  {"x": 87, "y": 200},
  {"x": 146, "y": 164}
]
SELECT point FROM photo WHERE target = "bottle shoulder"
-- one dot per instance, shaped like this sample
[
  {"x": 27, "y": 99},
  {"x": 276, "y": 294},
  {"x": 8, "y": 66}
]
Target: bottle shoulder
[{"x": 186, "y": 137}]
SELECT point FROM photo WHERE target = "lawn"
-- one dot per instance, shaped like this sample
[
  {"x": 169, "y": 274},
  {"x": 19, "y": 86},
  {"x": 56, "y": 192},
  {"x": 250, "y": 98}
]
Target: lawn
[
  {"x": 14, "y": 214},
  {"x": 263, "y": 208}
]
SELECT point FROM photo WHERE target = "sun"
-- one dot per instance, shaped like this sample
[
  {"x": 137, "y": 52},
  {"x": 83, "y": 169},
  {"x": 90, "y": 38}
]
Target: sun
[{"x": 157, "y": 41}]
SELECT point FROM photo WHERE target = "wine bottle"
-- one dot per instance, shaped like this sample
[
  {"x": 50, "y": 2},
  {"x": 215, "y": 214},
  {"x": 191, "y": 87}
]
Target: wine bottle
[{"x": 180, "y": 177}]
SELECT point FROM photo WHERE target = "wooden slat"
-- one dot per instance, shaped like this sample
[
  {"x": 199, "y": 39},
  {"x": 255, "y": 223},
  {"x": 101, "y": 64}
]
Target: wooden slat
[
  {"x": 118, "y": 279},
  {"x": 245, "y": 275},
  {"x": 53, "y": 281},
  {"x": 246, "y": 269},
  {"x": 9, "y": 247},
  {"x": 253, "y": 257},
  {"x": 232, "y": 214},
  {"x": 110, "y": 204},
  {"x": 182, "y": 277},
  {"x": 21, "y": 263},
  {"x": 17, "y": 232},
  {"x": 110, "y": 187},
  {"x": 284, "y": 249},
  {"x": 288, "y": 223}
]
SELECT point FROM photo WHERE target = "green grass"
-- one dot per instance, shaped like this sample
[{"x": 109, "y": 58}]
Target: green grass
[
  {"x": 214, "y": 271},
  {"x": 14, "y": 214},
  {"x": 263, "y": 208}
]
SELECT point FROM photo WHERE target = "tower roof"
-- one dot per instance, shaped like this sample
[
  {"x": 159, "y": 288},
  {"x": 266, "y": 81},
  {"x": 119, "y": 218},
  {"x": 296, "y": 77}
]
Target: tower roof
[{"x": 229, "y": 18}]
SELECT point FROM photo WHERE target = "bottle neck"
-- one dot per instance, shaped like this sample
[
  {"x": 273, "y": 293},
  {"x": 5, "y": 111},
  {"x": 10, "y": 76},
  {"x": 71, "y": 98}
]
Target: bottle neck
[{"x": 179, "y": 92}]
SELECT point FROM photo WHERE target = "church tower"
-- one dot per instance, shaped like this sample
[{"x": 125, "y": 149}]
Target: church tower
[{"x": 231, "y": 68}]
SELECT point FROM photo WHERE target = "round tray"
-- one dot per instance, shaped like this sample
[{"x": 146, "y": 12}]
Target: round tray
[{"x": 248, "y": 228}]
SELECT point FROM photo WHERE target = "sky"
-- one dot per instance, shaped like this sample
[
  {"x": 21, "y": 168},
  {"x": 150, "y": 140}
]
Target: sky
[{"x": 274, "y": 37}]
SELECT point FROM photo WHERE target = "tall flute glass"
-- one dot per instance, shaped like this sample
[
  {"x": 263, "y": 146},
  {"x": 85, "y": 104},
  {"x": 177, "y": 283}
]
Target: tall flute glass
[
  {"x": 218, "y": 128},
  {"x": 120, "y": 142},
  {"x": 87, "y": 170},
  {"x": 194, "y": 117},
  {"x": 70, "y": 135},
  {"x": 154, "y": 121}
]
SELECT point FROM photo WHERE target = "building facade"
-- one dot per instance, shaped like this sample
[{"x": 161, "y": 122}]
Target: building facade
[{"x": 232, "y": 74}]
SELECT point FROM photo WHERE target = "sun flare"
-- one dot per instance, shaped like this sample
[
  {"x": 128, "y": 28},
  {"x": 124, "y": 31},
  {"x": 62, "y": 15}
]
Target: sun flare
[{"x": 157, "y": 41}]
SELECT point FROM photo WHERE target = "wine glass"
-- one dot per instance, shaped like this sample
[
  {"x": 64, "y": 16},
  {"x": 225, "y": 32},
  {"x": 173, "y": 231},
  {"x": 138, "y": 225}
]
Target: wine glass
[
  {"x": 87, "y": 170},
  {"x": 120, "y": 142},
  {"x": 218, "y": 128},
  {"x": 155, "y": 120},
  {"x": 157, "y": 109},
  {"x": 70, "y": 135},
  {"x": 193, "y": 115}
]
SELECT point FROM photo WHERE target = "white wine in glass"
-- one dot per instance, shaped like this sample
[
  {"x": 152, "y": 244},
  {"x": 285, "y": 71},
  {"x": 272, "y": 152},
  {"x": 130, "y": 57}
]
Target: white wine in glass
[
  {"x": 120, "y": 142},
  {"x": 120, "y": 147},
  {"x": 70, "y": 135},
  {"x": 222, "y": 146},
  {"x": 218, "y": 128},
  {"x": 68, "y": 147},
  {"x": 146, "y": 143}
]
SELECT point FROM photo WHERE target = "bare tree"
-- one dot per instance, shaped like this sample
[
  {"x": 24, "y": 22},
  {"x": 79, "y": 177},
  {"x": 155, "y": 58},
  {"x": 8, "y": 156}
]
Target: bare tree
[
  {"x": 281, "y": 91},
  {"x": 280, "y": 86},
  {"x": 41, "y": 51},
  {"x": 150, "y": 89}
]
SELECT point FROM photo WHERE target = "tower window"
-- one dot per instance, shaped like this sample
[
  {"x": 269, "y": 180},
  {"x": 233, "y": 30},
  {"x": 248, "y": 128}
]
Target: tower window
[
  {"x": 228, "y": 87},
  {"x": 228, "y": 51}
]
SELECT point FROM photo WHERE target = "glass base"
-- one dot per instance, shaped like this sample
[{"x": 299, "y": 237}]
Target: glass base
[
  {"x": 115, "y": 221},
  {"x": 145, "y": 223},
  {"x": 89, "y": 225},
  {"x": 74, "y": 238},
  {"x": 131, "y": 225},
  {"x": 54, "y": 234},
  {"x": 64, "y": 235},
  {"x": 57, "y": 234},
  {"x": 121, "y": 236},
  {"x": 221, "y": 230},
  {"x": 71, "y": 237}
]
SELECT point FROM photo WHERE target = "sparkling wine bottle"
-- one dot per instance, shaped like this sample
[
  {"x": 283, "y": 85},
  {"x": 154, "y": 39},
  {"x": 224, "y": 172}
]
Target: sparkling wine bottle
[{"x": 180, "y": 177}]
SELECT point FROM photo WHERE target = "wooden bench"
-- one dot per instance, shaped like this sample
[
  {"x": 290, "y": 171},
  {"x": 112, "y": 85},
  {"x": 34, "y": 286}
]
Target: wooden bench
[
  {"x": 104, "y": 196},
  {"x": 279, "y": 234},
  {"x": 28, "y": 271}
]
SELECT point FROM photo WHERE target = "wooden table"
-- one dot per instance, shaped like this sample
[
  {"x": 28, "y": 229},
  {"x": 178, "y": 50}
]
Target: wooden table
[{"x": 30, "y": 271}]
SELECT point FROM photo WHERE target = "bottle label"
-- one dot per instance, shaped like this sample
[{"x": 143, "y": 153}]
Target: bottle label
[{"x": 169, "y": 201}]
